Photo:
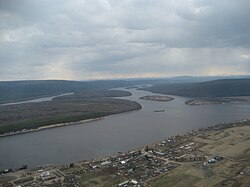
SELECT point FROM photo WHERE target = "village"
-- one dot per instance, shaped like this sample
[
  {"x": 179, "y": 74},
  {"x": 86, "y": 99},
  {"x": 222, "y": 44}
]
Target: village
[{"x": 141, "y": 167}]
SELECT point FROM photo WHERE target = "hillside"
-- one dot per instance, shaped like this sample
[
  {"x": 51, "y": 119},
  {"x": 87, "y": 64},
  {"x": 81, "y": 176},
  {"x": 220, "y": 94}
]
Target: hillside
[
  {"x": 216, "y": 88},
  {"x": 12, "y": 91}
]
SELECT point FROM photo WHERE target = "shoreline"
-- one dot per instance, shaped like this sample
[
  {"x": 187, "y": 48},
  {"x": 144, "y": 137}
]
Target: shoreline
[
  {"x": 50, "y": 127},
  {"x": 222, "y": 100},
  {"x": 63, "y": 124}
]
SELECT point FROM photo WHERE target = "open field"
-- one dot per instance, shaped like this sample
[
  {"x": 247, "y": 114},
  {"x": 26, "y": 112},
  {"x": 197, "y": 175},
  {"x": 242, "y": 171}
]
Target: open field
[
  {"x": 66, "y": 109},
  {"x": 232, "y": 144},
  {"x": 105, "y": 178},
  {"x": 215, "y": 156}
]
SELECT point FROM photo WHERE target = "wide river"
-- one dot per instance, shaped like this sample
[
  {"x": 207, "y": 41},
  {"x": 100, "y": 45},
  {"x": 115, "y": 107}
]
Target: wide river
[{"x": 115, "y": 133}]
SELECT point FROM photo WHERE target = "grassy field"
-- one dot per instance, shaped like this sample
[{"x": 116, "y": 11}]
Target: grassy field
[
  {"x": 178, "y": 180},
  {"x": 232, "y": 144},
  {"x": 81, "y": 106},
  {"x": 100, "y": 179}
]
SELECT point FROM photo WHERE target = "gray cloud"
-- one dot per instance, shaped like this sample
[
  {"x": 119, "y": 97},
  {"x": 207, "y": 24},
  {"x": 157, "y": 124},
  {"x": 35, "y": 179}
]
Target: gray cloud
[{"x": 99, "y": 39}]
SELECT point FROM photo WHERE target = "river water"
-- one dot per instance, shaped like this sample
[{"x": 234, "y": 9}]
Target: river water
[
  {"x": 37, "y": 100},
  {"x": 115, "y": 133}
]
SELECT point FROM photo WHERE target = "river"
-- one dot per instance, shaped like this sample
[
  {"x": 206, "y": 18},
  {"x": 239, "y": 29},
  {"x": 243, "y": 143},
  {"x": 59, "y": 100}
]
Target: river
[{"x": 115, "y": 133}]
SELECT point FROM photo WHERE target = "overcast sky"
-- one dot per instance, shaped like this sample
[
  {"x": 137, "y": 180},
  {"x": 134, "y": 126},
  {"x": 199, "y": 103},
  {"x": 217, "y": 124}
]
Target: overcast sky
[{"x": 103, "y": 39}]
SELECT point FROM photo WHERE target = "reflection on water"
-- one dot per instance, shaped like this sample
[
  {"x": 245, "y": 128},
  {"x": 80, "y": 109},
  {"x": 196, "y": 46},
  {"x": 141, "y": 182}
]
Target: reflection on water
[{"x": 112, "y": 134}]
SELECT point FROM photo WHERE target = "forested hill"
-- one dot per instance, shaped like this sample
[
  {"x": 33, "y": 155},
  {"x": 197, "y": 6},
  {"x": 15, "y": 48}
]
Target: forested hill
[
  {"x": 12, "y": 91},
  {"x": 216, "y": 88},
  {"x": 23, "y": 90}
]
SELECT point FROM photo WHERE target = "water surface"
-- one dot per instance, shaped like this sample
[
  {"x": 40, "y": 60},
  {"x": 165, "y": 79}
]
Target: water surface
[{"x": 113, "y": 134}]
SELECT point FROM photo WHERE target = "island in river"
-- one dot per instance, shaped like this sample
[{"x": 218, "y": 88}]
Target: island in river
[
  {"x": 63, "y": 110},
  {"x": 159, "y": 98}
]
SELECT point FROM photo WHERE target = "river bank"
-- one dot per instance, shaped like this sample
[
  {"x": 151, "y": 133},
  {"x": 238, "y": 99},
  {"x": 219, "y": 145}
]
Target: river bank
[
  {"x": 48, "y": 127},
  {"x": 62, "y": 124}
]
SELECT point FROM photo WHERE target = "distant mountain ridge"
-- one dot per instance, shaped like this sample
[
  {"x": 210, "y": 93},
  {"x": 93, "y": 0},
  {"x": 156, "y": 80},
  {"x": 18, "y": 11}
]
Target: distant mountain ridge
[
  {"x": 215, "y": 88},
  {"x": 14, "y": 91}
]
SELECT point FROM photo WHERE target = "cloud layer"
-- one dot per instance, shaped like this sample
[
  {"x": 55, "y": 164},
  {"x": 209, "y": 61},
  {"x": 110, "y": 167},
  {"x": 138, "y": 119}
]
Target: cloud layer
[{"x": 101, "y": 39}]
